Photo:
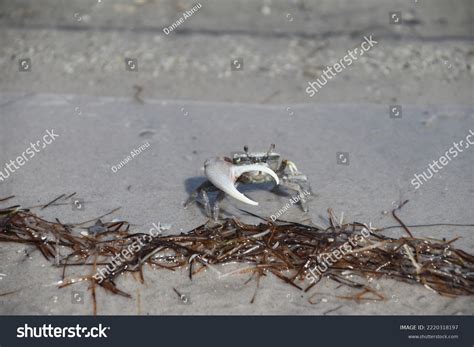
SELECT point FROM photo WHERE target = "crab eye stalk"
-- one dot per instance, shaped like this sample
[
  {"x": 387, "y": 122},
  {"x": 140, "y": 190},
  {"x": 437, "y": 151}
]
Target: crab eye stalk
[{"x": 223, "y": 175}]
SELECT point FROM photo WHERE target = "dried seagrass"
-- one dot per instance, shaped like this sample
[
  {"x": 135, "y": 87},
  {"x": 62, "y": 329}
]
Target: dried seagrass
[{"x": 287, "y": 250}]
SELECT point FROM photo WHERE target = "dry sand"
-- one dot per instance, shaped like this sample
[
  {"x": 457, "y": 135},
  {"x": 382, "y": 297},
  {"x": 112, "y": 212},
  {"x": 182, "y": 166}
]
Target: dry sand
[{"x": 96, "y": 133}]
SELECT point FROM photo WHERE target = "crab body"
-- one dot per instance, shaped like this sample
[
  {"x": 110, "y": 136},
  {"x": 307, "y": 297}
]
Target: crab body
[
  {"x": 271, "y": 160},
  {"x": 225, "y": 174}
]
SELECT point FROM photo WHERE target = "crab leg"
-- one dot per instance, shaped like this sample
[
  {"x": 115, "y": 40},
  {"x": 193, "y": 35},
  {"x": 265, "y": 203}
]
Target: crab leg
[{"x": 223, "y": 174}]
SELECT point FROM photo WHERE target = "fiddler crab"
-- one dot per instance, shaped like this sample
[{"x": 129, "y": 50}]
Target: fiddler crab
[{"x": 225, "y": 174}]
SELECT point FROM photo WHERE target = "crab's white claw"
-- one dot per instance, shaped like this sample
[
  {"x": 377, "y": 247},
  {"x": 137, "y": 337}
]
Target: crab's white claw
[{"x": 224, "y": 174}]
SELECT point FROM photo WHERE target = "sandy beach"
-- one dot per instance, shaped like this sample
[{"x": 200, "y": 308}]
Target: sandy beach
[{"x": 361, "y": 140}]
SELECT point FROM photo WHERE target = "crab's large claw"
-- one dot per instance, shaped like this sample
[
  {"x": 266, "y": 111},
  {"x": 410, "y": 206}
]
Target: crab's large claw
[{"x": 223, "y": 174}]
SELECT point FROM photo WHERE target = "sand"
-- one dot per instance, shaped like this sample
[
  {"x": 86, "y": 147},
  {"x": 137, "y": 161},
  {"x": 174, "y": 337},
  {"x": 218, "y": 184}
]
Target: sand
[{"x": 96, "y": 133}]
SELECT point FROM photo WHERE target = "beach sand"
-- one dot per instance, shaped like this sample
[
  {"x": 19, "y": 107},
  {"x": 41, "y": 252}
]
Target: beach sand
[{"x": 96, "y": 133}]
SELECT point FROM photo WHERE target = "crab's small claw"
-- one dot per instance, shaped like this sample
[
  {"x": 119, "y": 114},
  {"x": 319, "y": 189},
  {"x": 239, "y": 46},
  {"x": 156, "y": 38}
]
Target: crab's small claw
[{"x": 223, "y": 174}]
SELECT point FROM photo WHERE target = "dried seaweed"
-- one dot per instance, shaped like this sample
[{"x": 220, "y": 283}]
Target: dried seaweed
[{"x": 287, "y": 250}]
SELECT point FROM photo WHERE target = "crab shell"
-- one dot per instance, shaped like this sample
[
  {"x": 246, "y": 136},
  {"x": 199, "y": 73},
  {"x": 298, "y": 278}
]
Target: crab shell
[{"x": 223, "y": 174}]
